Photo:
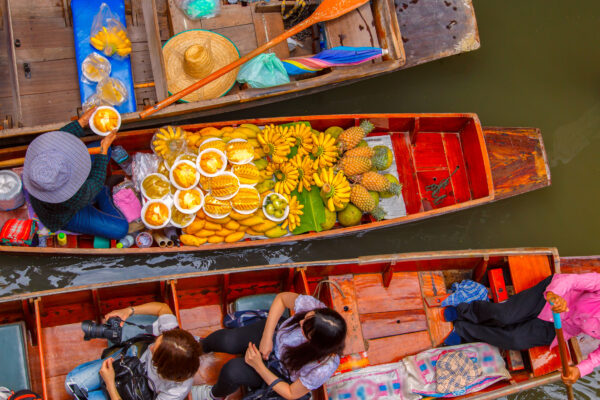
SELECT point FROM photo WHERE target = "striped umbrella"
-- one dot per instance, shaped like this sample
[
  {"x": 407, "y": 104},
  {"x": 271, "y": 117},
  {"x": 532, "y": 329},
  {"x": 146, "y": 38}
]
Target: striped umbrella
[{"x": 334, "y": 57}]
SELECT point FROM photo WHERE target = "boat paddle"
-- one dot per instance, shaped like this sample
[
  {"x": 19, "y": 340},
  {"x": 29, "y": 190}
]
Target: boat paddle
[
  {"x": 327, "y": 10},
  {"x": 562, "y": 348}
]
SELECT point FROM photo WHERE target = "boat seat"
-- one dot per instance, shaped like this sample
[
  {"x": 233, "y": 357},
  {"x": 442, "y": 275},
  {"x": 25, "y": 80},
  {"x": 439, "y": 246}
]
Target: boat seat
[
  {"x": 14, "y": 370},
  {"x": 256, "y": 302}
]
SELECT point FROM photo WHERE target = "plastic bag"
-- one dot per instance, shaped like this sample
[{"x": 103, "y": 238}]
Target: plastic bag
[
  {"x": 144, "y": 164},
  {"x": 196, "y": 9},
  {"x": 95, "y": 68},
  {"x": 263, "y": 71},
  {"x": 108, "y": 34},
  {"x": 127, "y": 200},
  {"x": 111, "y": 91},
  {"x": 169, "y": 143}
]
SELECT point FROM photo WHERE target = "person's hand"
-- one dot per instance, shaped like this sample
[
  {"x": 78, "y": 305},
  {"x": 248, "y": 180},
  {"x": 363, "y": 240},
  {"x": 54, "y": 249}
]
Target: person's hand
[
  {"x": 107, "y": 372},
  {"x": 122, "y": 313},
  {"x": 571, "y": 375},
  {"x": 559, "y": 305},
  {"x": 107, "y": 141},
  {"x": 266, "y": 347},
  {"x": 253, "y": 357},
  {"x": 84, "y": 120}
]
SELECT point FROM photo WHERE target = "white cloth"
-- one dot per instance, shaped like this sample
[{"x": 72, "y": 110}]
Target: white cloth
[{"x": 166, "y": 390}]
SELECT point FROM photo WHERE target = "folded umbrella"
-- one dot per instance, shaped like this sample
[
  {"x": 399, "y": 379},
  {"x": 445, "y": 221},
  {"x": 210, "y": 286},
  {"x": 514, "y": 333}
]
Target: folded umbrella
[{"x": 335, "y": 57}]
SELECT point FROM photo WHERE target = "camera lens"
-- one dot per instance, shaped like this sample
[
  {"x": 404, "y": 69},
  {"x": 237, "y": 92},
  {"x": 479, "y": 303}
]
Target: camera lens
[{"x": 91, "y": 330}]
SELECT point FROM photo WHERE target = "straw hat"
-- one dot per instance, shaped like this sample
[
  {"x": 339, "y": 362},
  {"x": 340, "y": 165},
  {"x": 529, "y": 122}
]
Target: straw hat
[
  {"x": 194, "y": 54},
  {"x": 56, "y": 166}
]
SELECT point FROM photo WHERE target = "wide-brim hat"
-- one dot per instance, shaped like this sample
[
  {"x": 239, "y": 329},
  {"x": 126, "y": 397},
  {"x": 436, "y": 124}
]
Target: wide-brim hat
[
  {"x": 194, "y": 54},
  {"x": 56, "y": 166}
]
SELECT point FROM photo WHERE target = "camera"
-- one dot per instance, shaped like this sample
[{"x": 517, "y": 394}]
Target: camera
[{"x": 110, "y": 330}]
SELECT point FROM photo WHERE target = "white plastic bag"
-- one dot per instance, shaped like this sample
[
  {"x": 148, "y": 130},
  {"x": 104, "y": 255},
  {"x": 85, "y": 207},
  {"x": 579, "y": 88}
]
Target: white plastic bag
[
  {"x": 109, "y": 35},
  {"x": 197, "y": 9},
  {"x": 95, "y": 68},
  {"x": 111, "y": 91}
]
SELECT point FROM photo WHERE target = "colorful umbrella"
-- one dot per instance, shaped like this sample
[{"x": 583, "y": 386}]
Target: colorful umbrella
[{"x": 334, "y": 57}]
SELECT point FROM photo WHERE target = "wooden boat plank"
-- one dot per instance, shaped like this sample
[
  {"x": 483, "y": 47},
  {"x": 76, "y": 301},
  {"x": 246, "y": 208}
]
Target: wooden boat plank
[
  {"x": 521, "y": 166},
  {"x": 388, "y": 31},
  {"x": 406, "y": 173},
  {"x": 157, "y": 61},
  {"x": 268, "y": 26},
  {"x": 56, "y": 43},
  {"x": 579, "y": 265},
  {"x": 403, "y": 293},
  {"x": 202, "y": 320},
  {"x": 347, "y": 306},
  {"x": 13, "y": 82},
  {"x": 457, "y": 167},
  {"x": 242, "y": 35},
  {"x": 382, "y": 324},
  {"x": 432, "y": 284},
  {"x": 357, "y": 28},
  {"x": 394, "y": 348}
]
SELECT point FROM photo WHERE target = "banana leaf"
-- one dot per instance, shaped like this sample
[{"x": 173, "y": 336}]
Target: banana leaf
[
  {"x": 297, "y": 122},
  {"x": 314, "y": 211}
]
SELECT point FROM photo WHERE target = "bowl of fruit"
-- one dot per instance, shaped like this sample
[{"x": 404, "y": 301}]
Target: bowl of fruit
[
  {"x": 276, "y": 207},
  {"x": 156, "y": 214},
  {"x": 246, "y": 201},
  {"x": 184, "y": 175},
  {"x": 216, "y": 208},
  {"x": 180, "y": 220},
  {"x": 104, "y": 120},
  {"x": 189, "y": 201},
  {"x": 211, "y": 162},
  {"x": 156, "y": 187},
  {"x": 239, "y": 151},
  {"x": 224, "y": 186}
]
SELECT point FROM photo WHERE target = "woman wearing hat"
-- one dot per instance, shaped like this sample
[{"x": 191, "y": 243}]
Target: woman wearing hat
[{"x": 64, "y": 182}]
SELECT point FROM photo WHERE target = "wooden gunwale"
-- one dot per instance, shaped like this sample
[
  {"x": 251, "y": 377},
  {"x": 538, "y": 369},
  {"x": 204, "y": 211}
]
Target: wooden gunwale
[
  {"x": 143, "y": 136},
  {"x": 61, "y": 303}
]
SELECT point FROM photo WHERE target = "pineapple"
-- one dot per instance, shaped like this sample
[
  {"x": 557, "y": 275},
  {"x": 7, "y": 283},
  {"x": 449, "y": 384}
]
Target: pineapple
[
  {"x": 360, "y": 197},
  {"x": 363, "y": 151},
  {"x": 378, "y": 183},
  {"x": 350, "y": 138},
  {"x": 382, "y": 158},
  {"x": 355, "y": 165}
]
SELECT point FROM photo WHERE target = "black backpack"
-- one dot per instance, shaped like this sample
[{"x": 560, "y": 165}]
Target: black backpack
[{"x": 131, "y": 377}]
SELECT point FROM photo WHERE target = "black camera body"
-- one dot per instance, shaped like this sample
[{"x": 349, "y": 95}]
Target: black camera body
[{"x": 110, "y": 330}]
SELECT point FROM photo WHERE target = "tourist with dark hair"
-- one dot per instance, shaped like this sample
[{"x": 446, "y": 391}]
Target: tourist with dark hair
[
  {"x": 305, "y": 348},
  {"x": 171, "y": 361}
]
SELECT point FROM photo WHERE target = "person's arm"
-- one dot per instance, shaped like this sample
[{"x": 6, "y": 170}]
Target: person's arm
[
  {"x": 107, "y": 372},
  {"x": 154, "y": 308},
  {"x": 76, "y": 127},
  {"x": 282, "y": 301},
  {"x": 587, "y": 366},
  {"x": 564, "y": 283},
  {"x": 287, "y": 391}
]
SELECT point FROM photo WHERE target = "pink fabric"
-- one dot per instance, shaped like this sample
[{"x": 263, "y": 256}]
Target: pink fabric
[
  {"x": 582, "y": 294},
  {"x": 128, "y": 203}
]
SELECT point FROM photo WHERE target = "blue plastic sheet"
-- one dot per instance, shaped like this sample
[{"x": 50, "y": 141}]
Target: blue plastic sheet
[{"x": 83, "y": 15}]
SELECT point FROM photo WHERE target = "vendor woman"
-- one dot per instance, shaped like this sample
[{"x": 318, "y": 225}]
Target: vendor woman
[
  {"x": 64, "y": 183},
  {"x": 525, "y": 319}
]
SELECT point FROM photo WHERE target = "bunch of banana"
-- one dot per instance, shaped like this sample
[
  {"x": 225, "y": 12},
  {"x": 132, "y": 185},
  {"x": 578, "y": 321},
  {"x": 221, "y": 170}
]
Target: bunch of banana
[
  {"x": 168, "y": 140},
  {"x": 335, "y": 189},
  {"x": 112, "y": 41},
  {"x": 276, "y": 142},
  {"x": 286, "y": 177},
  {"x": 293, "y": 219},
  {"x": 324, "y": 150}
]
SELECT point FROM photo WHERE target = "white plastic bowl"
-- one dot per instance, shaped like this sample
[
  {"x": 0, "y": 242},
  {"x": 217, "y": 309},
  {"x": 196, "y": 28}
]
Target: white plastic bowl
[
  {"x": 174, "y": 182},
  {"x": 223, "y": 158},
  {"x": 176, "y": 225},
  {"x": 242, "y": 211},
  {"x": 215, "y": 216},
  {"x": 231, "y": 195},
  {"x": 164, "y": 178},
  {"x": 241, "y": 162},
  {"x": 148, "y": 204},
  {"x": 185, "y": 210},
  {"x": 98, "y": 131},
  {"x": 285, "y": 213}
]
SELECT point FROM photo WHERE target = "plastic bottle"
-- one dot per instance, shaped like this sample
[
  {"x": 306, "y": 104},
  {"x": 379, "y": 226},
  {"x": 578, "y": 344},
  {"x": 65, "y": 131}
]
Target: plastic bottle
[
  {"x": 121, "y": 157},
  {"x": 127, "y": 241},
  {"x": 61, "y": 239}
]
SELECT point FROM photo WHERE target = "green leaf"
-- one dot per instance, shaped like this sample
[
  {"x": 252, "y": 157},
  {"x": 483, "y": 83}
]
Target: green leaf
[
  {"x": 314, "y": 211},
  {"x": 293, "y": 152},
  {"x": 295, "y": 123}
]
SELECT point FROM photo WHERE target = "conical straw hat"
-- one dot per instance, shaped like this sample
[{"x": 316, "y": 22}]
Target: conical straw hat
[{"x": 194, "y": 54}]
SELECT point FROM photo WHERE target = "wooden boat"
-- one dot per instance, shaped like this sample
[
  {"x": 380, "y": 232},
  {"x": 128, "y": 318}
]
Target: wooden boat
[
  {"x": 38, "y": 71},
  {"x": 480, "y": 164},
  {"x": 391, "y": 305}
]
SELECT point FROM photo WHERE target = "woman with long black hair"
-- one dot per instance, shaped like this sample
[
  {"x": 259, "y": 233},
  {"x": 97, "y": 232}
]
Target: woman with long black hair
[{"x": 306, "y": 349}]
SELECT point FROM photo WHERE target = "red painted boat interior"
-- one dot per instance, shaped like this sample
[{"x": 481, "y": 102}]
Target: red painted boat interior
[{"x": 389, "y": 305}]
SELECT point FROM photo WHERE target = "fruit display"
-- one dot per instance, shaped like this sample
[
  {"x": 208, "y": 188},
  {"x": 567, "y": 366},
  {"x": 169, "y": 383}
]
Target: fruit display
[
  {"x": 95, "y": 67},
  {"x": 112, "y": 41},
  {"x": 184, "y": 175},
  {"x": 156, "y": 214},
  {"x": 155, "y": 186},
  {"x": 106, "y": 119},
  {"x": 243, "y": 182},
  {"x": 111, "y": 91}
]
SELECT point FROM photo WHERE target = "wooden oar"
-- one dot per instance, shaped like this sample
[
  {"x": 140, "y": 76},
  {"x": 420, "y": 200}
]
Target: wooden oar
[
  {"x": 562, "y": 348},
  {"x": 327, "y": 10}
]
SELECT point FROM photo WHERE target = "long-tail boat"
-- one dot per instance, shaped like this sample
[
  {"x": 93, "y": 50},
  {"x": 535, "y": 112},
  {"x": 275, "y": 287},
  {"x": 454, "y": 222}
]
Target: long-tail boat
[
  {"x": 38, "y": 68},
  {"x": 471, "y": 165},
  {"x": 390, "y": 302}
]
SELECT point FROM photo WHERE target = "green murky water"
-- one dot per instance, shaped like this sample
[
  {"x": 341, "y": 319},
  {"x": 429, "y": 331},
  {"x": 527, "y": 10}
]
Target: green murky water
[{"x": 537, "y": 66}]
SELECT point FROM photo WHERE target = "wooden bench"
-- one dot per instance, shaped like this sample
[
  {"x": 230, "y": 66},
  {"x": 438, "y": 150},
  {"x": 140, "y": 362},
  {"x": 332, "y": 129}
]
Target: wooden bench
[
  {"x": 14, "y": 371},
  {"x": 528, "y": 271}
]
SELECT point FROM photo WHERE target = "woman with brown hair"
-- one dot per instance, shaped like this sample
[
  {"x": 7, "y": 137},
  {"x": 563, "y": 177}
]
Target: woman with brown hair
[{"x": 171, "y": 361}]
